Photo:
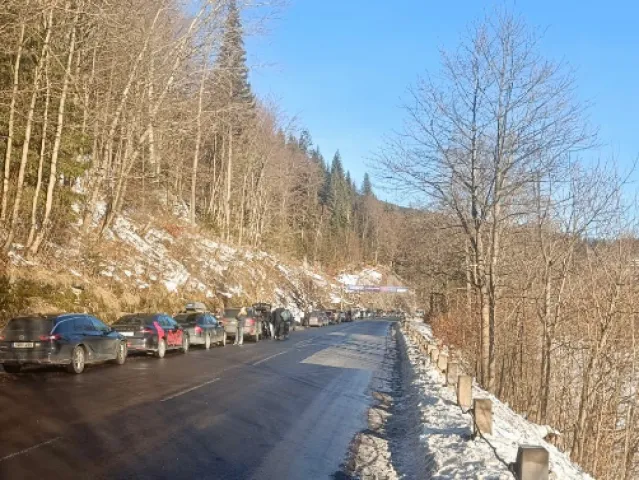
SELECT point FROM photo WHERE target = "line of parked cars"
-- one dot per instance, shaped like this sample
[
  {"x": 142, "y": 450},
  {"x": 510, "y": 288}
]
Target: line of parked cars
[
  {"x": 74, "y": 340},
  {"x": 321, "y": 318}
]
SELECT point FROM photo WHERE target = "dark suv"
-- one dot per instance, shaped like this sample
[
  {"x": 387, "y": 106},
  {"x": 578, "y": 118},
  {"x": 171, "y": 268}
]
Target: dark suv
[
  {"x": 202, "y": 328},
  {"x": 70, "y": 339},
  {"x": 152, "y": 333}
]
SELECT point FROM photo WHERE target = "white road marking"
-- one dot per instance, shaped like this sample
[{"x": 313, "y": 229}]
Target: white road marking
[
  {"x": 268, "y": 358},
  {"x": 27, "y": 450},
  {"x": 175, "y": 395}
]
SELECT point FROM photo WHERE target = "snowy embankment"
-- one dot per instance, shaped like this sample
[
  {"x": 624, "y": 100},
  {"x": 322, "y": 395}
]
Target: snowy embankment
[
  {"x": 161, "y": 261},
  {"x": 447, "y": 434}
]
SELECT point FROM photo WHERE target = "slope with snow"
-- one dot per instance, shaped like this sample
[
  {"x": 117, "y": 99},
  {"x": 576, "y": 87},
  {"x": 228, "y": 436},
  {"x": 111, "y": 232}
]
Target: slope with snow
[
  {"x": 446, "y": 430},
  {"x": 165, "y": 256}
]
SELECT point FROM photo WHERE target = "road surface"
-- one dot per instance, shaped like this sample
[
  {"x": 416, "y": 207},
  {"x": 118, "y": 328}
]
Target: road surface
[{"x": 272, "y": 410}]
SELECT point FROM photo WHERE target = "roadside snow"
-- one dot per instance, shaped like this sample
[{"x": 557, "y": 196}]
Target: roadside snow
[{"x": 446, "y": 430}]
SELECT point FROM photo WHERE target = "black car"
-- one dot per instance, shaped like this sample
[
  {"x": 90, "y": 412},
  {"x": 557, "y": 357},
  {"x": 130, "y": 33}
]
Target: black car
[
  {"x": 71, "y": 339},
  {"x": 152, "y": 333},
  {"x": 202, "y": 328}
]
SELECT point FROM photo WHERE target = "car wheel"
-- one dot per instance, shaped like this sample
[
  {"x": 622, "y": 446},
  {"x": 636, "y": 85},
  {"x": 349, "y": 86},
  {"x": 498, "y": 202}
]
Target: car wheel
[
  {"x": 161, "y": 348},
  {"x": 185, "y": 344},
  {"x": 207, "y": 341},
  {"x": 120, "y": 356},
  {"x": 77, "y": 360},
  {"x": 12, "y": 368}
]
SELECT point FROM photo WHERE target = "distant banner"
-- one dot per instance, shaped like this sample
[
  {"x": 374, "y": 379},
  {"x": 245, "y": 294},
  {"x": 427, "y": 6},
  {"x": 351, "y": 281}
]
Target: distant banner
[{"x": 375, "y": 289}]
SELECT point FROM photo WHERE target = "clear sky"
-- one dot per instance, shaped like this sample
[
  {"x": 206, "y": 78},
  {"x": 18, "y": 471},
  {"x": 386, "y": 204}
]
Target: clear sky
[{"x": 342, "y": 67}]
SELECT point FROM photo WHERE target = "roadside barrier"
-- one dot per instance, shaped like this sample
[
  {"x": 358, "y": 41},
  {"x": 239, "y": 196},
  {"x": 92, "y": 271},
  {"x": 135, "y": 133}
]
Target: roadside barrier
[{"x": 532, "y": 462}]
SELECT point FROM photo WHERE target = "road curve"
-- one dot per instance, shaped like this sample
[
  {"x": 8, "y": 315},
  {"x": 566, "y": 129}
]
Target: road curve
[{"x": 272, "y": 410}]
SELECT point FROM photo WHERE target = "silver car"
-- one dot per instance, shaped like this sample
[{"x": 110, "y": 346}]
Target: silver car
[{"x": 317, "y": 319}]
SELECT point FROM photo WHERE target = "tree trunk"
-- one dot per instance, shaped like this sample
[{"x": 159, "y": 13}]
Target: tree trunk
[
  {"x": 196, "y": 153},
  {"x": 27, "y": 134},
  {"x": 56, "y": 143},
  {"x": 229, "y": 174},
  {"x": 12, "y": 112},
  {"x": 43, "y": 148}
]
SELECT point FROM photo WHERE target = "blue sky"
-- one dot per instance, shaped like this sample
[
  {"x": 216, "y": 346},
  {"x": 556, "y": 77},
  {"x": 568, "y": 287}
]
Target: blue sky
[{"x": 342, "y": 67}]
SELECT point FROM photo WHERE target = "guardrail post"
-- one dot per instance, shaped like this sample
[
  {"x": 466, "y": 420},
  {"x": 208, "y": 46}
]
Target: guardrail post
[
  {"x": 532, "y": 463},
  {"x": 465, "y": 391},
  {"x": 434, "y": 353},
  {"x": 483, "y": 411},
  {"x": 442, "y": 363},
  {"x": 452, "y": 373}
]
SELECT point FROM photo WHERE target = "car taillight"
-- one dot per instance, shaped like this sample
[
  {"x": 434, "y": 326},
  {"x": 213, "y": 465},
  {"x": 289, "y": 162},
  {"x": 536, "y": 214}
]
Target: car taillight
[
  {"x": 250, "y": 321},
  {"x": 1, "y": 337},
  {"x": 51, "y": 338},
  {"x": 146, "y": 330},
  {"x": 198, "y": 329}
]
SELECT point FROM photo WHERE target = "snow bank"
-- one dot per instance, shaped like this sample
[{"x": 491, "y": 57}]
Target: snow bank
[
  {"x": 446, "y": 430},
  {"x": 367, "y": 276}
]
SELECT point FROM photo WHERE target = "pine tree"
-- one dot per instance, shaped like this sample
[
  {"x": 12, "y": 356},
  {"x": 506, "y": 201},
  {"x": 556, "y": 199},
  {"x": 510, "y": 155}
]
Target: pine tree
[
  {"x": 232, "y": 71},
  {"x": 305, "y": 142},
  {"x": 367, "y": 187},
  {"x": 339, "y": 194},
  {"x": 236, "y": 101}
]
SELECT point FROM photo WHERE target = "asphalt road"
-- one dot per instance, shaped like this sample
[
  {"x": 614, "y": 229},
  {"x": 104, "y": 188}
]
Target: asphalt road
[{"x": 271, "y": 410}]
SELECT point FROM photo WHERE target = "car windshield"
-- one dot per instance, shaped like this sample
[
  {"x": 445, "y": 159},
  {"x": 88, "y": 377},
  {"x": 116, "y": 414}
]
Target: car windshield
[
  {"x": 133, "y": 321},
  {"x": 36, "y": 325},
  {"x": 186, "y": 318}
]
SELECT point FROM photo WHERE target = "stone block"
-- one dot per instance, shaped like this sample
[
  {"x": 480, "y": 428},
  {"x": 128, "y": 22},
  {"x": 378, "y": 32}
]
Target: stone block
[
  {"x": 442, "y": 362},
  {"x": 434, "y": 353},
  {"x": 532, "y": 463},
  {"x": 483, "y": 410},
  {"x": 452, "y": 373},
  {"x": 465, "y": 391}
]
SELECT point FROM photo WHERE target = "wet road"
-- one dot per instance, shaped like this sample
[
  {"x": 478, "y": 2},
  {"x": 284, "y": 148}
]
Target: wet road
[{"x": 271, "y": 410}]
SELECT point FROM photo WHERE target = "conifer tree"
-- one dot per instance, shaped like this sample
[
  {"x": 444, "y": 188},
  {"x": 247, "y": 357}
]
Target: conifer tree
[{"x": 367, "y": 187}]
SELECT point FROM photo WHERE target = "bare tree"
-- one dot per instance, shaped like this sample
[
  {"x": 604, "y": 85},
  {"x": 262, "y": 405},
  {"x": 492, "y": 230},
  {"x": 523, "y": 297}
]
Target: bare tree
[{"x": 476, "y": 140}]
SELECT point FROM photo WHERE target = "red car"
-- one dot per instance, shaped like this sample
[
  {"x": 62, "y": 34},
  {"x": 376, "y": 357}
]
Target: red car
[{"x": 152, "y": 333}]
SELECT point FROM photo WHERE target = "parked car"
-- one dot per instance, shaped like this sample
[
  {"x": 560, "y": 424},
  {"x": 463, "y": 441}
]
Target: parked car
[
  {"x": 252, "y": 324},
  {"x": 317, "y": 319},
  {"x": 330, "y": 315},
  {"x": 341, "y": 317},
  {"x": 152, "y": 333},
  {"x": 72, "y": 340},
  {"x": 202, "y": 328}
]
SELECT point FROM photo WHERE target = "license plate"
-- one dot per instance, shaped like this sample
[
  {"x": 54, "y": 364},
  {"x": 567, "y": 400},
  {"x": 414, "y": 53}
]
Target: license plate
[
  {"x": 127, "y": 334},
  {"x": 22, "y": 344}
]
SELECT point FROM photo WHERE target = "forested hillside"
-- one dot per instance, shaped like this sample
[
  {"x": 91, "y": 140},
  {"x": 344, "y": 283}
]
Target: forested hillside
[{"x": 109, "y": 106}]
